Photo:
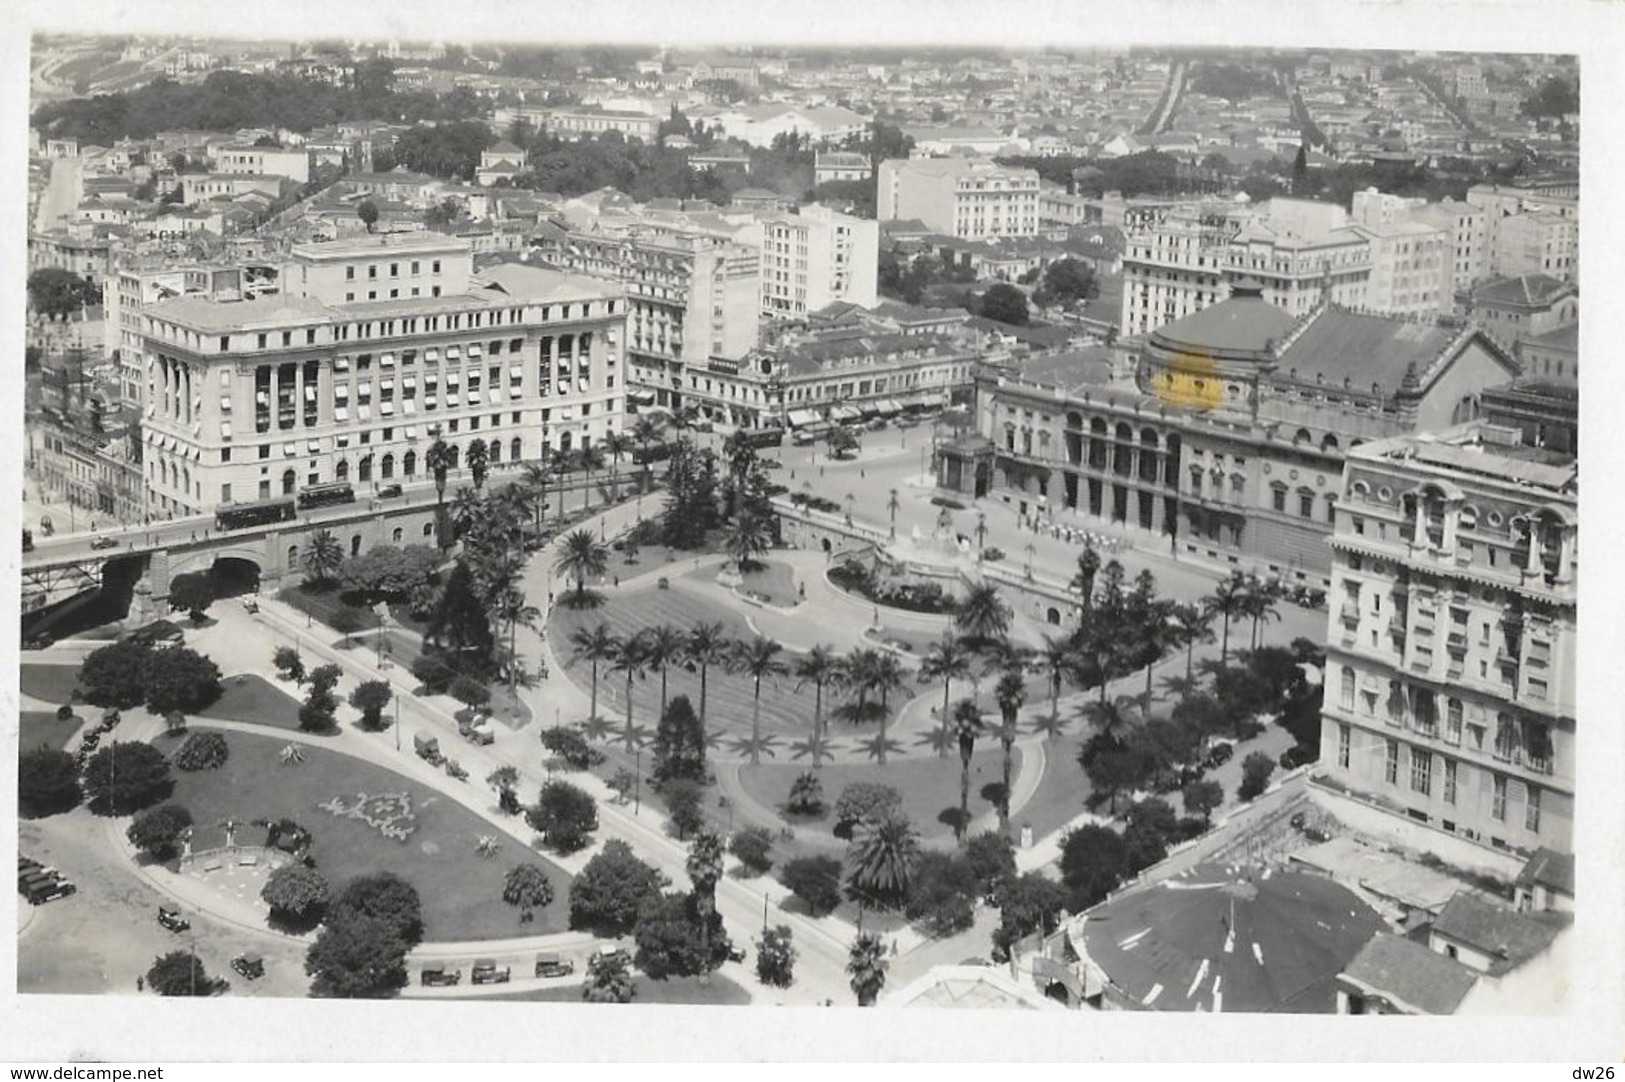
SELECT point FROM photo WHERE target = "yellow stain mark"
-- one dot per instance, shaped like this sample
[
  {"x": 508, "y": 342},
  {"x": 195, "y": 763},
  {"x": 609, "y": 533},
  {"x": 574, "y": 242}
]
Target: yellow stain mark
[{"x": 1191, "y": 379}]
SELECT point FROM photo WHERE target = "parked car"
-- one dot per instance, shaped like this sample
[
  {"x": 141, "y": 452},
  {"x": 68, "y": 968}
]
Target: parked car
[
  {"x": 41, "y": 890},
  {"x": 105, "y": 542},
  {"x": 1220, "y": 754},
  {"x": 172, "y": 919},
  {"x": 439, "y": 975},
  {"x": 389, "y": 492},
  {"x": 39, "y": 640},
  {"x": 157, "y": 633},
  {"x": 477, "y": 730},
  {"x": 611, "y": 951},
  {"x": 736, "y": 953},
  {"x": 553, "y": 965},
  {"x": 250, "y": 966},
  {"x": 486, "y": 971}
]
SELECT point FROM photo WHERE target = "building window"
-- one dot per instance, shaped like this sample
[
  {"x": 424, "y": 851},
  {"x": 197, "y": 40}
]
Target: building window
[
  {"x": 1391, "y": 767},
  {"x": 1498, "y": 806},
  {"x": 1452, "y": 721},
  {"x": 1449, "y": 781},
  {"x": 1343, "y": 740},
  {"x": 1347, "y": 689},
  {"x": 1421, "y": 771},
  {"x": 1278, "y": 497},
  {"x": 1306, "y": 503},
  {"x": 1531, "y": 810}
]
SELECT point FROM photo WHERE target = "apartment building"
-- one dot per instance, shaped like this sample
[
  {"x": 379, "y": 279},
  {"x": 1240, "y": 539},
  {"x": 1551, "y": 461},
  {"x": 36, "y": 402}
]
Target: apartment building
[
  {"x": 690, "y": 296},
  {"x": 1174, "y": 261},
  {"x": 815, "y": 258},
  {"x": 1451, "y": 648},
  {"x": 1530, "y": 231},
  {"x": 968, "y": 198},
  {"x": 351, "y": 373}
]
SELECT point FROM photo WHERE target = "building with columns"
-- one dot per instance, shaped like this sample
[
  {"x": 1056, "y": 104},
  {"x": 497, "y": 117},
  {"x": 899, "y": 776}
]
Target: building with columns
[
  {"x": 373, "y": 348},
  {"x": 1229, "y": 437},
  {"x": 1450, "y": 674}
]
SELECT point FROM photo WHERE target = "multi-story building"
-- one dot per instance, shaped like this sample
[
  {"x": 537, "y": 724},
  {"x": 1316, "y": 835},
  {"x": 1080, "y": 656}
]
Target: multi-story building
[
  {"x": 589, "y": 123},
  {"x": 1530, "y": 230},
  {"x": 691, "y": 297},
  {"x": 290, "y": 162},
  {"x": 1174, "y": 261},
  {"x": 1300, "y": 251},
  {"x": 336, "y": 380},
  {"x": 1545, "y": 411},
  {"x": 962, "y": 197},
  {"x": 1468, "y": 228},
  {"x": 815, "y": 258},
  {"x": 1513, "y": 310},
  {"x": 197, "y": 187},
  {"x": 838, "y": 165},
  {"x": 1451, "y": 648},
  {"x": 1230, "y": 439},
  {"x": 1411, "y": 268}
]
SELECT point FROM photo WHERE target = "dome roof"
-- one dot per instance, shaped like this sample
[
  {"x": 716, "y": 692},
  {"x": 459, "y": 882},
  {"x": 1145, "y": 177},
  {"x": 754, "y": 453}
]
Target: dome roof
[{"x": 1244, "y": 327}]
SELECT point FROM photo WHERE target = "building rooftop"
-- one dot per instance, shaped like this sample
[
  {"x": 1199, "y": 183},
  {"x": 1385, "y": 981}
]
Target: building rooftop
[
  {"x": 1071, "y": 370},
  {"x": 1551, "y": 869},
  {"x": 521, "y": 281},
  {"x": 1366, "y": 349},
  {"x": 1289, "y": 934},
  {"x": 1411, "y": 976},
  {"x": 363, "y": 246},
  {"x": 970, "y": 986},
  {"x": 1525, "y": 291},
  {"x": 1566, "y": 337},
  {"x": 1245, "y": 325},
  {"x": 1510, "y": 937}
]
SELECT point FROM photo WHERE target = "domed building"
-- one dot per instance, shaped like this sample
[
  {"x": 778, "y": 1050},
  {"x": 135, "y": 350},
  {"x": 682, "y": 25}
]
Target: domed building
[{"x": 1223, "y": 436}]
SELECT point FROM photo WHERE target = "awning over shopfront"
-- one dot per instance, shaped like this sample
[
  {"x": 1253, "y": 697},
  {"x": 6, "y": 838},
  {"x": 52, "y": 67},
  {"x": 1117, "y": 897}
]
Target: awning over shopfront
[
  {"x": 844, "y": 414},
  {"x": 802, "y": 418},
  {"x": 888, "y": 407}
]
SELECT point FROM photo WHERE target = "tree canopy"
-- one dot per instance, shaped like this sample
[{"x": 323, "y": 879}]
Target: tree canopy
[
  {"x": 606, "y": 896},
  {"x": 123, "y": 777},
  {"x": 47, "y": 782}
]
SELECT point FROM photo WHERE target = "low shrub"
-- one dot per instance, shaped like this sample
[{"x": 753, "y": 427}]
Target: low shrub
[{"x": 202, "y": 751}]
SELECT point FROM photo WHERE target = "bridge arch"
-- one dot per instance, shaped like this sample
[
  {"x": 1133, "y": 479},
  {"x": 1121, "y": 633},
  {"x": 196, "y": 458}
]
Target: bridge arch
[{"x": 205, "y": 559}]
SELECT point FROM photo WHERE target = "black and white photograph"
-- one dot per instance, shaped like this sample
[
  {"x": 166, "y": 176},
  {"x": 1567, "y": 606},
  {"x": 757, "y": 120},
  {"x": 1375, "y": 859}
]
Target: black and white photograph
[{"x": 868, "y": 518}]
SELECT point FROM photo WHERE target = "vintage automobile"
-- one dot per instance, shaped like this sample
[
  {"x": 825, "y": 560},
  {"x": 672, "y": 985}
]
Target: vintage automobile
[
  {"x": 553, "y": 965},
  {"x": 250, "y": 966},
  {"x": 172, "y": 919},
  {"x": 438, "y": 975},
  {"x": 486, "y": 971}
]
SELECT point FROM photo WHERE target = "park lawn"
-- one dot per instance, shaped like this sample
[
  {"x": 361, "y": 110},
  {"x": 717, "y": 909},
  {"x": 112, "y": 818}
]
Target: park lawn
[
  {"x": 255, "y": 701},
  {"x": 776, "y": 580},
  {"x": 40, "y": 728},
  {"x": 461, "y": 890},
  {"x": 683, "y": 990},
  {"x": 1062, "y": 791},
  {"x": 929, "y": 785},
  {"x": 48, "y": 683}
]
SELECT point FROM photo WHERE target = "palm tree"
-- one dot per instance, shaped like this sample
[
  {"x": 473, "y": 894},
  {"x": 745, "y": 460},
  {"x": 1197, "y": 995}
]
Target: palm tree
[
  {"x": 511, "y": 607},
  {"x": 609, "y": 980},
  {"x": 628, "y": 659},
  {"x": 1010, "y": 693},
  {"x": 467, "y": 508},
  {"x": 981, "y": 615},
  {"x": 645, "y": 432},
  {"x": 748, "y": 537},
  {"x": 948, "y": 659},
  {"x": 866, "y": 967},
  {"x": 437, "y": 460},
  {"x": 756, "y": 658},
  {"x": 324, "y": 556},
  {"x": 505, "y": 780},
  {"x": 582, "y": 556},
  {"x": 886, "y": 676},
  {"x": 1228, "y": 600},
  {"x": 663, "y": 647},
  {"x": 704, "y": 866},
  {"x": 1058, "y": 660},
  {"x": 967, "y": 726},
  {"x": 818, "y": 667},
  {"x": 1262, "y": 598},
  {"x": 880, "y": 861},
  {"x": 1192, "y": 623},
  {"x": 535, "y": 481},
  {"x": 617, "y": 445},
  {"x": 892, "y": 505},
  {"x": 591, "y": 460},
  {"x": 478, "y": 461},
  {"x": 563, "y": 462},
  {"x": 707, "y": 645},
  {"x": 1113, "y": 714},
  {"x": 594, "y": 645}
]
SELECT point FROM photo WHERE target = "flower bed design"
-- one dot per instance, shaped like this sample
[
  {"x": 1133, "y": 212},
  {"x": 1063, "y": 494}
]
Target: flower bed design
[{"x": 388, "y": 813}]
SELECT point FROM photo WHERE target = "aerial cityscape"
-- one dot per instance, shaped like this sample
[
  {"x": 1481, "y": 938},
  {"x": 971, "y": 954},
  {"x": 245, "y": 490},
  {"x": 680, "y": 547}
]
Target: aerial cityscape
[{"x": 1051, "y": 530}]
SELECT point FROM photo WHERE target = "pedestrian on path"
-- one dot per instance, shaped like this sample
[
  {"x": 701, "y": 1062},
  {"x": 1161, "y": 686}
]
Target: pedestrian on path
[{"x": 140, "y": 983}]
